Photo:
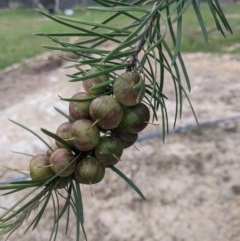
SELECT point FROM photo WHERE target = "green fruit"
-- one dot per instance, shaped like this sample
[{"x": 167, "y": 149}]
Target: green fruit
[
  {"x": 85, "y": 135},
  {"x": 106, "y": 111},
  {"x": 135, "y": 119},
  {"x": 90, "y": 83},
  {"x": 109, "y": 150},
  {"x": 64, "y": 132},
  {"x": 129, "y": 89},
  {"x": 89, "y": 171},
  {"x": 62, "y": 163},
  {"x": 39, "y": 167},
  {"x": 79, "y": 109},
  {"x": 127, "y": 139}
]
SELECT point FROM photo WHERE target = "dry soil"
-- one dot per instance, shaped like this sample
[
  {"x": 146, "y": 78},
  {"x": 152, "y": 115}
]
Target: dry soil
[{"x": 191, "y": 182}]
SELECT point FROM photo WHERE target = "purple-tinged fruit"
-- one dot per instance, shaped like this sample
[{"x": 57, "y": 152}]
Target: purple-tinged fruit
[
  {"x": 90, "y": 83},
  {"x": 85, "y": 135},
  {"x": 64, "y": 132},
  {"x": 79, "y": 109},
  {"x": 62, "y": 162},
  {"x": 129, "y": 88},
  {"x": 106, "y": 112}
]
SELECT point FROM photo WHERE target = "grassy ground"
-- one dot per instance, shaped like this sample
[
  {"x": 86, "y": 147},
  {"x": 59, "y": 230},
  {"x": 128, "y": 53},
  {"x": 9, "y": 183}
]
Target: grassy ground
[
  {"x": 192, "y": 37},
  {"x": 18, "y": 42},
  {"x": 17, "y": 39}
]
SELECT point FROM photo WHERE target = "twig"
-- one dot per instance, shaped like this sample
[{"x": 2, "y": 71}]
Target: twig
[{"x": 133, "y": 59}]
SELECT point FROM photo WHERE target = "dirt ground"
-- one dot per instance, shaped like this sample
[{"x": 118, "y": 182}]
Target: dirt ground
[{"x": 191, "y": 182}]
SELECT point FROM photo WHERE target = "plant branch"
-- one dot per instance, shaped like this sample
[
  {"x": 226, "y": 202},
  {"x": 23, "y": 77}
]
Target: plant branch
[{"x": 133, "y": 59}]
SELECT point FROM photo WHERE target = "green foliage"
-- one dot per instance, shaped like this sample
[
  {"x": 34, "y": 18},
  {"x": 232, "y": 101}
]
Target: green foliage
[
  {"x": 148, "y": 42},
  {"x": 13, "y": 31}
]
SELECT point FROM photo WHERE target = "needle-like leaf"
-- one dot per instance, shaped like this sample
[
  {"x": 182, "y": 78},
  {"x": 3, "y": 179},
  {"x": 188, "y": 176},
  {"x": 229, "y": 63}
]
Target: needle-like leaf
[{"x": 129, "y": 182}]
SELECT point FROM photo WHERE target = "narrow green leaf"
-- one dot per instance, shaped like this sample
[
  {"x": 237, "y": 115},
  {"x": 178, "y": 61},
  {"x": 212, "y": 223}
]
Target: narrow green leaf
[
  {"x": 77, "y": 214},
  {"x": 101, "y": 72},
  {"x": 178, "y": 94},
  {"x": 95, "y": 24},
  {"x": 31, "y": 131},
  {"x": 58, "y": 20},
  {"x": 125, "y": 44},
  {"x": 79, "y": 201},
  {"x": 184, "y": 8},
  {"x": 106, "y": 83},
  {"x": 78, "y": 100},
  {"x": 129, "y": 182},
  {"x": 59, "y": 139},
  {"x": 142, "y": 29},
  {"x": 22, "y": 153},
  {"x": 200, "y": 19},
  {"x": 178, "y": 37},
  {"x": 66, "y": 204},
  {"x": 223, "y": 18},
  {"x": 119, "y": 9},
  {"x": 55, "y": 224},
  {"x": 17, "y": 170},
  {"x": 40, "y": 213},
  {"x": 64, "y": 114},
  {"x": 184, "y": 71},
  {"x": 26, "y": 208},
  {"x": 78, "y": 50},
  {"x": 79, "y": 34}
]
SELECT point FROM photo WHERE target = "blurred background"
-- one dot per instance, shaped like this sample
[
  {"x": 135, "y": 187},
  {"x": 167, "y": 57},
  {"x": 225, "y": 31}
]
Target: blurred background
[
  {"x": 20, "y": 20},
  {"x": 191, "y": 180}
]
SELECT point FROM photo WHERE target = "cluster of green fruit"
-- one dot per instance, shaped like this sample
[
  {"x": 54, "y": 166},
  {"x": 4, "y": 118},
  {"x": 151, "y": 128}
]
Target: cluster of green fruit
[{"x": 100, "y": 127}]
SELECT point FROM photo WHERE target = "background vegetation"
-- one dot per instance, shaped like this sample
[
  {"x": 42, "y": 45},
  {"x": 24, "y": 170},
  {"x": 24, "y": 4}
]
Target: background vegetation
[{"x": 17, "y": 41}]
